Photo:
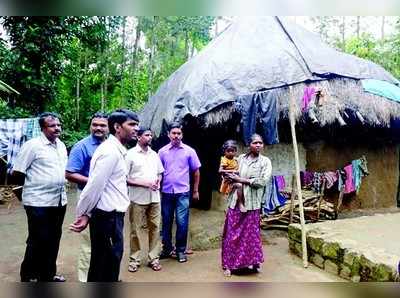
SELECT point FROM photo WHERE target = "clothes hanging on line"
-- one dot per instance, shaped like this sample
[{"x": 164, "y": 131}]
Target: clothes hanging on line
[
  {"x": 309, "y": 93},
  {"x": 259, "y": 110},
  {"x": 15, "y": 132},
  {"x": 306, "y": 178},
  {"x": 280, "y": 180},
  {"x": 272, "y": 197},
  {"x": 330, "y": 177}
]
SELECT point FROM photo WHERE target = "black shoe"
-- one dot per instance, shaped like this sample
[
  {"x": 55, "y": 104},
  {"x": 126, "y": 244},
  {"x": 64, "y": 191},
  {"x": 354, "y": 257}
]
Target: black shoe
[
  {"x": 165, "y": 255},
  {"x": 181, "y": 257}
]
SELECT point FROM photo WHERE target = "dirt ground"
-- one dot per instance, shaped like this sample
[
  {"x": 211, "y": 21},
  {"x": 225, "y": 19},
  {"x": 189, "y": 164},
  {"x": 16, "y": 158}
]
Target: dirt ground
[{"x": 203, "y": 266}]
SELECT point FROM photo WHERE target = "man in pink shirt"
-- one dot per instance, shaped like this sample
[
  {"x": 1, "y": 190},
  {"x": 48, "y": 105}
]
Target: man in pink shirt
[{"x": 179, "y": 161}]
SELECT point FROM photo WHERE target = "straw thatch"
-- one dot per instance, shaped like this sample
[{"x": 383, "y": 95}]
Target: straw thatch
[{"x": 339, "y": 94}]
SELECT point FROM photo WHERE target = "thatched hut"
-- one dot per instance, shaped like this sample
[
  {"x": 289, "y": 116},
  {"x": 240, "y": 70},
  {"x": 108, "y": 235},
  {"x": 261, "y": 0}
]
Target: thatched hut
[{"x": 256, "y": 58}]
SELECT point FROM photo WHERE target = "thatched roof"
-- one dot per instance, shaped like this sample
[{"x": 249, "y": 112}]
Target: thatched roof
[
  {"x": 341, "y": 94},
  {"x": 264, "y": 53}
]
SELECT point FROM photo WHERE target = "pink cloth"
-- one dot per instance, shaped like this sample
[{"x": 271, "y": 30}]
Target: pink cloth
[
  {"x": 241, "y": 240},
  {"x": 330, "y": 178},
  {"x": 349, "y": 184},
  {"x": 309, "y": 92},
  {"x": 280, "y": 180}
]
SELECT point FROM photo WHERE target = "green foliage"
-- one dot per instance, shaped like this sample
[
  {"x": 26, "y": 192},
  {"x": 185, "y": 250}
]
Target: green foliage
[{"x": 6, "y": 112}]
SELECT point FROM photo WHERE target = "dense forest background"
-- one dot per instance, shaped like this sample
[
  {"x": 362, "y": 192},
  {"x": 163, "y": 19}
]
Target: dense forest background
[{"x": 79, "y": 65}]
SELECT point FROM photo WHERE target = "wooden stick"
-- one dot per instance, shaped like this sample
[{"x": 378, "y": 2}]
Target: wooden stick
[
  {"x": 297, "y": 165},
  {"x": 339, "y": 203},
  {"x": 292, "y": 196},
  {"x": 321, "y": 197}
]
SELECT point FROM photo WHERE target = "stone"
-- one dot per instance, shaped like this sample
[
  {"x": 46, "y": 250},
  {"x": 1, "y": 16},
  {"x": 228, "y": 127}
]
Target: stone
[
  {"x": 317, "y": 260},
  {"x": 331, "y": 267},
  {"x": 315, "y": 244},
  {"x": 366, "y": 269},
  {"x": 292, "y": 245},
  {"x": 345, "y": 272},
  {"x": 356, "y": 278},
  {"x": 382, "y": 272},
  {"x": 298, "y": 249},
  {"x": 294, "y": 232},
  {"x": 349, "y": 257},
  {"x": 355, "y": 267},
  {"x": 330, "y": 250}
]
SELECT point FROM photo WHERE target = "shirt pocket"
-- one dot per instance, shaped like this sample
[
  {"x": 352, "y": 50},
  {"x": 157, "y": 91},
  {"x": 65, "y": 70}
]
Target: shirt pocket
[{"x": 254, "y": 170}]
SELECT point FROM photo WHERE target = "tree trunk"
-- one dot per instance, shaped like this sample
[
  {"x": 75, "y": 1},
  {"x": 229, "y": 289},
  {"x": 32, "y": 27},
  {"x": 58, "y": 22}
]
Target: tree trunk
[
  {"x": 122, "y": 97},
  {"x": 136, "y": 46},
  {"x": 186, "y": 46},
  {"x": 358, "y": 27},
  {"x": 383, "y": 28},
  {"x": 78, "y": 82},
  {"x": 151, "y": 58},
  {"x": 102, "y": 97},
  {"x": 343, "y": 32}
]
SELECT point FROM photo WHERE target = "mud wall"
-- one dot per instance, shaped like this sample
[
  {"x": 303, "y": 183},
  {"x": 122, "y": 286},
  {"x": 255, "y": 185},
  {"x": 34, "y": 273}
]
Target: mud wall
[{"x": 379, "y": 189}]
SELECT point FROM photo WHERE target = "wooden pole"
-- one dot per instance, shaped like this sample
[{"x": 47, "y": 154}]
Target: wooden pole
[
  {"x": 297, "y": 165},
  {"x": 292, "y": 198}
]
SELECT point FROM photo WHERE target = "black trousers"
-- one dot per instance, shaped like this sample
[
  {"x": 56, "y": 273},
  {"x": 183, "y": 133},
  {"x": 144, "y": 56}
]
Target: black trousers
[
  {"x": 44, "y": 234},
  {"x": 107, "y": 244}
]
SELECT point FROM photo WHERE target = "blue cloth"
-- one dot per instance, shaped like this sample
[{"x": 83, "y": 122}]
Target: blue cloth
[
  {"x": 178, "y": 204},
  {"x": 273, "y": 198},
  {"x": 382, "y": 88},
  {"x": 81, "y": 155},
  {"x": 259, "y": 112}
]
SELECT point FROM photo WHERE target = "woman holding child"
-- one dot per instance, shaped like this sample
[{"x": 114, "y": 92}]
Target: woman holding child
[{"x": 241, "y": 243}]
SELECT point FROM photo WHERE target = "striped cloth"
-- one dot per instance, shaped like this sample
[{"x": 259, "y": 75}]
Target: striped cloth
[{"x": 13, "y": 133}]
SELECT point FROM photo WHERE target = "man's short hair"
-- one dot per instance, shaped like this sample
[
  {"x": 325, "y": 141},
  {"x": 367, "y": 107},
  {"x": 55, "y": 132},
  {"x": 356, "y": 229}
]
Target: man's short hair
[
  {"x": 174, "y": 125},
  {"x": 142, "y": 130},
  {"x": 99, "y": 115},
  {"x": 120, "y": 116},
  {"x": 44, "y": 115}
]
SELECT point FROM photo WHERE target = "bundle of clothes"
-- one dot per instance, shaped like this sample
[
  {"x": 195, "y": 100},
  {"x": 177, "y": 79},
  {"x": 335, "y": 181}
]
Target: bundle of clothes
[
  {"x": 348, "y": 178},
  {"x": 15, "y": 132}
]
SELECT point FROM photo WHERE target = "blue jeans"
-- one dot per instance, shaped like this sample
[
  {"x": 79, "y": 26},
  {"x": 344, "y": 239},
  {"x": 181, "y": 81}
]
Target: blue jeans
[{"x": 178, "y": 205}]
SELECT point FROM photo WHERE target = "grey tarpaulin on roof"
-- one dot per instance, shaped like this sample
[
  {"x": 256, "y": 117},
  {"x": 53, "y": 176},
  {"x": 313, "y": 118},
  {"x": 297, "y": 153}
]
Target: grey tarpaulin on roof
[{"x": 252, "y": 54}]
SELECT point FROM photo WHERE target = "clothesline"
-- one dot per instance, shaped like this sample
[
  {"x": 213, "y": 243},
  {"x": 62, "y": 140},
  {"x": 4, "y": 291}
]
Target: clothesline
[{"x": 348, "y": 178}]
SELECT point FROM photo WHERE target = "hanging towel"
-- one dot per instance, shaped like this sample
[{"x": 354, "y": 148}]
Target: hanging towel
[
  {"x": 349, "y": 183},
  {"x": 330, "y": 178},
  {"x": 32, "y": 129},
  {"x": 341, "y": 179},
  {"x": 317, "y": 182},
  {"x": 273, "y": 198},
  {"x": 11, "y": 139},
  {"x": 306, "y": 178},
  {"x": 360, "y": 170},
  {"x": 280, "y": 180},
  {"x": 382, "y": 88},
  {"x": 308, "y": 95}
]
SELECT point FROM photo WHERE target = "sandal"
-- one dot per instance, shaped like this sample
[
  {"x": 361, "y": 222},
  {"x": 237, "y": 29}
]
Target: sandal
[
  {"x": 227, "y": 273},
  {"x": 133, "y": 267},
  {"x": 155, "y": 265}
]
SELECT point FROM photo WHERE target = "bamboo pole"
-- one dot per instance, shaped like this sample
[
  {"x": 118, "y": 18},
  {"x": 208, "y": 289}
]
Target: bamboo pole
[
  {"x": 297, "y": 165},
  {"x": 292, "y": 197}
]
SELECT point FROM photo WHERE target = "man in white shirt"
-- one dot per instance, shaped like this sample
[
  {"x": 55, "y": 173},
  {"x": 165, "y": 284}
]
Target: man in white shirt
[
  {"x": 104, "y": 200},
  {"x": 145, "y": 169},
  {"x": 42, "y": 161}
]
